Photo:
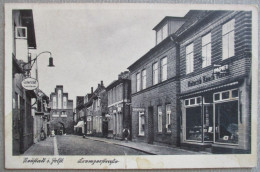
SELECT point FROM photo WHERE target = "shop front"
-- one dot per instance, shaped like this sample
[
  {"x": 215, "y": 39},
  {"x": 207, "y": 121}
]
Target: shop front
[{"x": 216, "y": 113}]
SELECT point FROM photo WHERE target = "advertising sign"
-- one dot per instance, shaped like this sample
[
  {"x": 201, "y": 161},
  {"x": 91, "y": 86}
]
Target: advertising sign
[
  {"x": 138, "y": 109},
  {"x": 30, "y": 84}
]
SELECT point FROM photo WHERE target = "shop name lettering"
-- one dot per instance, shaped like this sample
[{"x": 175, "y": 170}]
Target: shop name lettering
[
  {"x": 98, "y": 161},
  {"x": 51, "y": 161},
  {"x": 206, "y": 79}
]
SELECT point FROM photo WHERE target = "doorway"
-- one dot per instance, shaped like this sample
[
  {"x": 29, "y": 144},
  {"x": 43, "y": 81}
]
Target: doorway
[{"x": 150, "y": 137}]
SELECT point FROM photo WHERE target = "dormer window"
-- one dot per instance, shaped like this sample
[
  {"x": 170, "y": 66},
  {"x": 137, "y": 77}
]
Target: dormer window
[{"x": 162, "y": 33}]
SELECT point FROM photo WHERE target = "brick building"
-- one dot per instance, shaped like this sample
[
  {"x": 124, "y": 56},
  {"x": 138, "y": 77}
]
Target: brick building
[
  {"x": 23, "y": 39},
  {"x": 215, "y": 59},
  {"x": 154, "y": 85},
  {"x": 119, "y": 106},
  {"x": 61, "y": 115}
]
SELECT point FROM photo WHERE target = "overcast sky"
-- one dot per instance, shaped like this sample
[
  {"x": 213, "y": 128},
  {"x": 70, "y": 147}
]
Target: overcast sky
[{"x": 90, "y": 45}]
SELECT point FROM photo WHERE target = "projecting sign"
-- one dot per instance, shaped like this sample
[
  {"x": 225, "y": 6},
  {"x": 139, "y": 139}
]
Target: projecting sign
[{"x": 30, "y": 84}]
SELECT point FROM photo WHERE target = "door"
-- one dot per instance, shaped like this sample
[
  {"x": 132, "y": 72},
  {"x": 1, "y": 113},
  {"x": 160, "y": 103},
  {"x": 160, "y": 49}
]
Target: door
[{"x": 150, "y": 137}]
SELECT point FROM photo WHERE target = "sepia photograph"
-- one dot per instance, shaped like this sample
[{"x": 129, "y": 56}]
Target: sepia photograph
[{"x": 130, "y": 86}]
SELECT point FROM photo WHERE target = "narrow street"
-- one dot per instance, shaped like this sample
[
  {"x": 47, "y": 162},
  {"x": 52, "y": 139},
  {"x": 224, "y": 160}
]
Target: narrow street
[{"x": 77, "y": 145}]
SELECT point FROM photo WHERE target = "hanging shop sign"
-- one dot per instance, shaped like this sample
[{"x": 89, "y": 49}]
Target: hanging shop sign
[
  {"x": 218, "y": 72},
  {"x": 30, "y": 84},
  {"x": 138, "y": 109}
]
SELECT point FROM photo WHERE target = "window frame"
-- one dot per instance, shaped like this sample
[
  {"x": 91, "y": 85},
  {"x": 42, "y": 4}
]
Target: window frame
[
  {"x": 144, "y": 84},
  {"x": 168, "y": 117},
  {"x": 160, "y": 119},
  {"x": 164, "y": 66},
  {"x": 155, "y": 72},
  {"x": 138, "y": 82},
  {"x": 189, "y": 58},
  {"x": 227, "y": 34},
  {"x": 207, "y": 60},
  {"x": 141, "y": 132}
]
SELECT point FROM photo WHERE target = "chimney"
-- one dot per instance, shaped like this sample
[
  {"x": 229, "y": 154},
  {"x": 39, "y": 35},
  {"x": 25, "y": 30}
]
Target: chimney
[
  {"x": 91, "y": 90},
  {"x": 101, "y": 83}
]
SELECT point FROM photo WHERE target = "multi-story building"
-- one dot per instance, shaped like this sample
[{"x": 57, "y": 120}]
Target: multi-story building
[
  {"x": 95, "y": 108},
  {"x": 155, "y": 85},
  {"x": 215, "y": 59},
  {"x": 23, "y": 41},
  {"x": 61, "y": 115},
  {"x": 119, "y": 105},
  {"x": 41, "y": 116}
]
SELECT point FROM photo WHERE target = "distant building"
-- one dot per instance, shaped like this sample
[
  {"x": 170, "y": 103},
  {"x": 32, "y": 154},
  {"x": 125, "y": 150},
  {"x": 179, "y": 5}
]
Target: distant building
[
  {"x": 119, "y": 95},
  {"x": 61, "y": 115},
  {"x": 23, "y": 40}
]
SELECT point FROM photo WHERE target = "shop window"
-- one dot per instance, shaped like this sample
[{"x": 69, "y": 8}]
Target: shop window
[
  {"x": 144, "y": 79},
  {"x": 208, "y": 98},
  {"x": 141, "y": 124},
  {"x": 168, "y": 118},
  {"x": 189, "y": 59},
  {"x": 187, "y": 102},
  {"x": 155, "y": 73},
  {"x": 198, "y": 100},
  {"x": 226, "y": 117},
  {"x": 206, "y": 50},
  {"x": 216, "y": 97},
  {"x": 234, "y": 93},
  {"x": 138, "y": 82},
  {"x": 228, "y": 39},
  {"x": 193, "y": 124},
  {"x": 208, "y": 123},
  {"x": 164, "y": 69},
  {"x": 159, "y": 118},
  {"x": 225, "y": 95},
  {"x": 192, "y": 101}
]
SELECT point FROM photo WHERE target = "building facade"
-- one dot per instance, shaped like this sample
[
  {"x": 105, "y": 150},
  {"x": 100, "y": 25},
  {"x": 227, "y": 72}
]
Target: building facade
[
  {"x": 61, "y": 114},
  {"x": 215, "y": 60},
  {"x": 95, "y": 109},
  {"x": 119, "y": 97},
  {"x": 22, "y": 119},
  {"x": 155, "y": 85}
]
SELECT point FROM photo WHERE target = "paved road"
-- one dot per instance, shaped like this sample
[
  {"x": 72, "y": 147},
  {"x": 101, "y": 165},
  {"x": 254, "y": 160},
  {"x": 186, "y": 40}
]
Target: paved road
[{"x": 76, "y": 145}]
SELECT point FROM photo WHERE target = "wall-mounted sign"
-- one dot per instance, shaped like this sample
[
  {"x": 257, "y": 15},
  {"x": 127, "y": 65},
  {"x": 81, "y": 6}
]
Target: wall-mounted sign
[
  {"x": 30, "y": 84},
  {"x": 138, "y": 109},
  {"x": 218, "y": 72}
]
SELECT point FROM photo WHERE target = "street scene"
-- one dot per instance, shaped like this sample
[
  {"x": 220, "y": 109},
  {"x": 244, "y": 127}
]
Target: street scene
[{"x": 131, "y": 82}]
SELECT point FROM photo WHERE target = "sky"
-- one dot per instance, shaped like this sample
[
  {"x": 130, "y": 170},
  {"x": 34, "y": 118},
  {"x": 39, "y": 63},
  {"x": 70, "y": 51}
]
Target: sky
[{"x": 90, "y": 45}]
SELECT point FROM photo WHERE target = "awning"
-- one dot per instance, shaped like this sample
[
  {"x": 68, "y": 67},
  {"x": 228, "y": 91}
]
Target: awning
[
  {"x": 209, "y": 89},
  {"x": 79, "y": 124}
]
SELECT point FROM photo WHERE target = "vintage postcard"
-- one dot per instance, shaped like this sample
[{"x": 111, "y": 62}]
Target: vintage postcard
[{"x": 130, "y": 86}]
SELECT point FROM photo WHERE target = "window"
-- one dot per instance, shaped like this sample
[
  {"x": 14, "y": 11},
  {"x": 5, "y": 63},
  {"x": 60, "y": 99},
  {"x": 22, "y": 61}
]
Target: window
[
  {"x": 162, "y": 34},
  {"x": 168, "y": 117},
  {"x": 206, "y": 50},
  {"x": 54, "y": 102},
  {"x": 164, "y": 69},
  {"x": 226, "y": 116},
  {"x": 189, "y": 59},
  {"x": 64, "y": 102},
  {"x": 228, "y": 39},
  {"x": 138, "y": 82},
  {"x": 144, "y": 79},
  {"x": 141, "y": 123},
  {"x": 155, "y": 73},
  {"x": 21, "y": 32},
  {"x": 59, "y": 100},
  {"x": 159, "y": 118}
]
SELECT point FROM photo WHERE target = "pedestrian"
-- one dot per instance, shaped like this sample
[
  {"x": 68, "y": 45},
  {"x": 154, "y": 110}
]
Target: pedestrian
[{"x": 126, "y": 134}]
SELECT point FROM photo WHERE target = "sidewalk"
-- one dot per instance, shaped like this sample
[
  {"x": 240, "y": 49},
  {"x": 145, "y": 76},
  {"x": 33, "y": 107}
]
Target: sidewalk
[
  {"x": 45, "y": 147},
  {"x": 148, "y": 148}
]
